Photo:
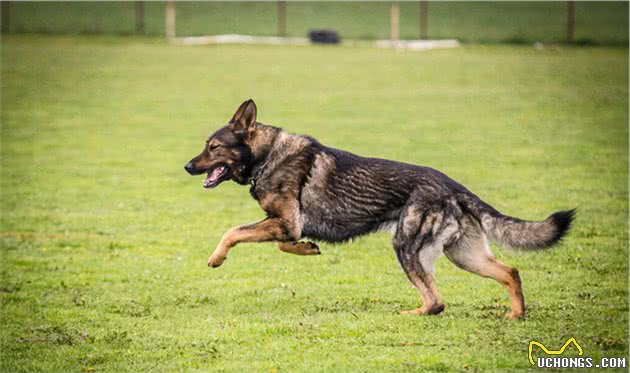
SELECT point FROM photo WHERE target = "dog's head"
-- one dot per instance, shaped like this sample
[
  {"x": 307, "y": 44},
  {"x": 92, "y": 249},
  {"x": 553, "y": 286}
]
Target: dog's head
[{"x": 227, "y": 153}]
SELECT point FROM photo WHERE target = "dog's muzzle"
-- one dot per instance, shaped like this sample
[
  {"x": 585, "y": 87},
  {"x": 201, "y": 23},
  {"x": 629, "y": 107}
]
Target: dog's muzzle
[{"x": 191, "y": 169}]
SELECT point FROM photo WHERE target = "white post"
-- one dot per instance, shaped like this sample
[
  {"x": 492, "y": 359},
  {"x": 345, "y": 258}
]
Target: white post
[
  {"x": 394, "y": 22},
  {"x": 170, "y": 19},
  {"x": 282, "y": 18},
  {"x": 424, "y": 19}
]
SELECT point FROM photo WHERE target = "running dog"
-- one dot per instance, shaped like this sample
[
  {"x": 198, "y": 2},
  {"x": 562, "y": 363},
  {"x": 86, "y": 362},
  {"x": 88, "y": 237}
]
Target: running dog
[{"x": 309, "y": 190}]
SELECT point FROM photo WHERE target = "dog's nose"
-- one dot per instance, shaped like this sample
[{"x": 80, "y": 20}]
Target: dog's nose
[{"x": 189, "y": 167}]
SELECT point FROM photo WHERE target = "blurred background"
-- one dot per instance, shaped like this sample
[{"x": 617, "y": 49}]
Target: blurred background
[{"x": 601, "y": 23}]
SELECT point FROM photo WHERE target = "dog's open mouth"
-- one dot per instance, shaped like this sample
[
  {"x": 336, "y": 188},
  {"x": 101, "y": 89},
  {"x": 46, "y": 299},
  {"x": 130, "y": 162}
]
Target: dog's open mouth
[{"x": 216, "y": 176}]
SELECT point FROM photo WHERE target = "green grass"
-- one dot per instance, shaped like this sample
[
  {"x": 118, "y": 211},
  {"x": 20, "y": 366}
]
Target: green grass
[
  {"x": 105, "y": 237},
  {"x": 487, "y": 22}
]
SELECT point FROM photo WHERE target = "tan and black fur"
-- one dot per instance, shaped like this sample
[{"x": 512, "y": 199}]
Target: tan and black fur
[{"x": 309, "y": 190}]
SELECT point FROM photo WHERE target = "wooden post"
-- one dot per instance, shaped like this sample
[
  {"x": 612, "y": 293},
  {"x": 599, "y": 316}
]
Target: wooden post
[
  {"x": 282, "y": 18},
  {"x": 5, "y": 17},
  {"x": 394, "y": 23},
  {"x": 170, "y": 19},
  {"x": 570, "y": 21},
  {"x": 139, "y": 17},
  {"x": 424, "y": 19}
]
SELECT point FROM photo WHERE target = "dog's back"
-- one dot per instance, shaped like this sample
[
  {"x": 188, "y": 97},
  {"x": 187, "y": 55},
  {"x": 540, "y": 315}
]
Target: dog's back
[{"x": 348, "y": 195}]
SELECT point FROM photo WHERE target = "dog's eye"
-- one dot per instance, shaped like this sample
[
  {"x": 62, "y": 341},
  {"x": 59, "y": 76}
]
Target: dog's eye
[{"x": 215, "y": 146}]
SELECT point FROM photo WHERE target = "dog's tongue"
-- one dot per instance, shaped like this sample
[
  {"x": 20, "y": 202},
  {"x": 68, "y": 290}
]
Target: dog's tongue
[{"x": 213, "y": 176}]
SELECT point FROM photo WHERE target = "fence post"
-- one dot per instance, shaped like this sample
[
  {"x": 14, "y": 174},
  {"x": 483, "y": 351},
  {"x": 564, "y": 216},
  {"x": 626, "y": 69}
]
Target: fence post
[
  {"x": 424, "y": 19},
  {"x": 570, "y": 21},
  {"x": 282, "y": 18},
  {"x": 139, "y": 17},
  {"x": 5, "y": 17},
  {"x": 170, "y": 19},
  {"x": 394, "y": 23}
]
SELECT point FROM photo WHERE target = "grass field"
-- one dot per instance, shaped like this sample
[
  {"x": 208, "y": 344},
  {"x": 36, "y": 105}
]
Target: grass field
[
  {"x": 486, "y": 22},
  {"x": 105, "y": 237}
]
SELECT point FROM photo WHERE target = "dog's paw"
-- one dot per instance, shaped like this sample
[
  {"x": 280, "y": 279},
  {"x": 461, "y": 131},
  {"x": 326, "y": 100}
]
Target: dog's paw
[
  {"x": 515, "y": 316},
  {"x": 424, "y": 310},
  {"x": 215, "y": 261},
  {"x": 300, "y": 248},
  {"x": 310, "y": 248},
  {"x": 416, "y": 311}
]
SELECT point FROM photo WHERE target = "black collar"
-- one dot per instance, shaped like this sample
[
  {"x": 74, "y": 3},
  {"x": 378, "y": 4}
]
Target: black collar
[{"x": 257, "y": 173}]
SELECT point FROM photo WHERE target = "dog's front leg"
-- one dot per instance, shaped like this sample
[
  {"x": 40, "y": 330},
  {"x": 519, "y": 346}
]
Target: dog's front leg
[
  {"x": 299, "y": 248},
  {"x": 270, "y": 229}
]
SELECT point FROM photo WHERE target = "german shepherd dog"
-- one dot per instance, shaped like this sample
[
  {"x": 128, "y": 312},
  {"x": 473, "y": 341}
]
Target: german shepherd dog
[{"x": 309, "y": 190}]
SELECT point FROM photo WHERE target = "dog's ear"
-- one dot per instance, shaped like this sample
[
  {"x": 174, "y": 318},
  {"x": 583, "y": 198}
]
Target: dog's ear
[{"x": 244, "y": 120}]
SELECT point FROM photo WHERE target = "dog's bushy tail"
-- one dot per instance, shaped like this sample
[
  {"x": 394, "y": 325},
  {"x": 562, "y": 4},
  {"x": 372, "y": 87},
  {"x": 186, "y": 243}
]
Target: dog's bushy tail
[{"x": 516, "y": 233}]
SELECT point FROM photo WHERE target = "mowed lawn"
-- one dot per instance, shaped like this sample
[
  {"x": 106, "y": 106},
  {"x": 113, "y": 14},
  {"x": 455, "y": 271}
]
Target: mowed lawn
[{"x": 105, "y": 237}]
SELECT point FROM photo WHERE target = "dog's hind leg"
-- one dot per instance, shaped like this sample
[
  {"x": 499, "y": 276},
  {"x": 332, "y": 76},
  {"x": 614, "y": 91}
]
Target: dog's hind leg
[
  {"x": 299, "y": 248},
  {"x": 472, "y": 253},
  {"x": 421, "y": 276},
  {"x": 418, "y": 242}
]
